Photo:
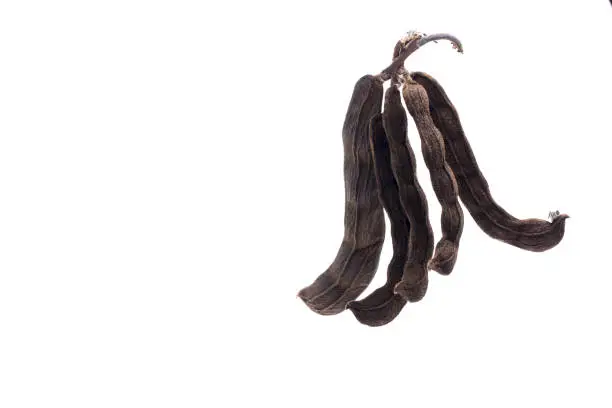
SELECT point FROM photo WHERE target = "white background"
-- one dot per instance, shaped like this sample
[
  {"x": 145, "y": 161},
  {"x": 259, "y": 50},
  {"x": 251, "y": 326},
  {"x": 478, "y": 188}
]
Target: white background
[{"x": 171, "y": 176}]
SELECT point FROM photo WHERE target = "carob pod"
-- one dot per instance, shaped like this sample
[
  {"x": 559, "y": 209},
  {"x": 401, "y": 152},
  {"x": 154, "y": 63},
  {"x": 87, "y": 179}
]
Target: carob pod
[
  {"x": 382, "y": 306},
  {"x": 530, "y": 234},
  {"x": 364, "y": 228},
  {"x": 414, "y": 281},
  {"x": 364, "y": 224},
  {"x": 442, "y": 178}
]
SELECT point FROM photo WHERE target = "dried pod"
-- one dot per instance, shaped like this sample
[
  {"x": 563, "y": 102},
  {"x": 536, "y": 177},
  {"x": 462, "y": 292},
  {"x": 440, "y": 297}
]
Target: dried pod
[
  {"x": 382, "y": 305},
  {"x": 413, "y": 284},
  {"x": 442, "y": 178},
  {"x": 364, "y": 225},
  {"x": 530, "y": 234},
  {"x": 364, "y": 229}
]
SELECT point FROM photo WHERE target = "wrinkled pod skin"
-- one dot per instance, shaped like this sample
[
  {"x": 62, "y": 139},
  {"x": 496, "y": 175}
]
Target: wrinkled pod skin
[
  {"x": 406, "y": 277},
  {"x": 414, "y": 281},
  {"x": 382, "y": 306},
  {"x": 530, "y": 234},
  {"x": 364, "y": 226},
  {"x": 442, "y": 177}
]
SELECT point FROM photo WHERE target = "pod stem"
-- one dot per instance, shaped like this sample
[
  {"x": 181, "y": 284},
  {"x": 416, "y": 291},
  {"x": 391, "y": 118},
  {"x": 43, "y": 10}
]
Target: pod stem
[
  {"x": 411, "y": 42},
  {"x": 442, "y": 36}
]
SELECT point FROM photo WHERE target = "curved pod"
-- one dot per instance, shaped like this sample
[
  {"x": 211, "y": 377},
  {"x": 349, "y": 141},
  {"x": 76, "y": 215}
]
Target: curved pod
[{"x": 530, "y": 234}]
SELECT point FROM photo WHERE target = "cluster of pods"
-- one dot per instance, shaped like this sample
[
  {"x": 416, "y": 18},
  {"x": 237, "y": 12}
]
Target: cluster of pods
[{"x": 380, "y": 176}]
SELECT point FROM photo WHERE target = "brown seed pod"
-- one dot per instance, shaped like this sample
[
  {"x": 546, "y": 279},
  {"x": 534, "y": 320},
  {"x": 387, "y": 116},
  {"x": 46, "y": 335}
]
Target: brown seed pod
[
  {"x": 364, "y": 225},
  {"x": 413, "y": 284},
  {"x": 382, "y": 306},
  {"x": 530, "y": 234},
  {"x": 364, "y": 229},
  {"x": 442, "y": 178}
]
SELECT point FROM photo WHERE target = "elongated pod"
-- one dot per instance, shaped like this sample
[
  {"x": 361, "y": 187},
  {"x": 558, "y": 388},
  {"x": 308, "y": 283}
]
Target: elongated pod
[
  {"x": 530, "y": 234},
  {"x": 357, "y": 259},
  {"x": 382, "y": 306},
  {"x": 413, "y": 284},
  {"x": 364, "y": 225},
  {"x": 442, "y": 178}
]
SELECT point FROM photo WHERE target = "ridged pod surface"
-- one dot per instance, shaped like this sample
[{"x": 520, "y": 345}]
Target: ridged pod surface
[
  {"x": 530, "y": 234},
  {"x": 413, "y": 284},
  {"x": 442, "y": 178},
  {"x": 383, "y": 305},
  {"x": 364, "y": 226}
]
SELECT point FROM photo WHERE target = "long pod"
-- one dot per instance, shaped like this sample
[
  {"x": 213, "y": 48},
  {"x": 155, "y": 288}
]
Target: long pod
[
  {"x": 357, "y": 259},
  {"x": 530, "y": 234},
  {"x": 382, "y": 306},
  {"x": 364, "y": 225},
  {"x": 414, "y": 281},
  {"x": 442, "y": 178}
]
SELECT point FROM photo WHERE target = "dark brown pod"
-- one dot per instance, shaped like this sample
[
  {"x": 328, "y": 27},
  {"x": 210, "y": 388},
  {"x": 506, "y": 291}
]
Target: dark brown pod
[
  {"x": 364, "y": 226},
  {"x": 531, "y": 234},
  {"x": 442, "y": 178},
  {"x": 364, "y": 229},
  {"x": 382, "y": 305},
  {"x": 413, "y": 284}
]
